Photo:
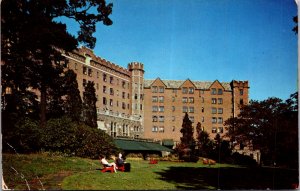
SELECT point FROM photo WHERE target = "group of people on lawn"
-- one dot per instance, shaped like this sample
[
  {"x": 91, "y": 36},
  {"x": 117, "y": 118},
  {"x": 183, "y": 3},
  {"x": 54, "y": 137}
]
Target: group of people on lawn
[{"x": 118, "y": 162}]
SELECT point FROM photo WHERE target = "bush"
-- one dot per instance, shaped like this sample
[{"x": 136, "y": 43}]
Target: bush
[
  {"x": 243, "y": 159},
  {"x": 21, "y": 137},
  {"x": 73, "y": 139}
]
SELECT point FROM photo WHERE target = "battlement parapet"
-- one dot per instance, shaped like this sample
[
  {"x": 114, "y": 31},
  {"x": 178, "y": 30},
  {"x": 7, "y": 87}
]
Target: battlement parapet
[{"x": 135, "y": 66}]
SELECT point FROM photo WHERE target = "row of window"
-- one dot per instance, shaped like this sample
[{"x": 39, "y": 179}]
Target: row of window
[
  {"x": 214, "y": 120},
  {"x": 186, "y": 109},
  {"x": 161, "y": 129},
  {"x": 88, "y": 71},
  {"x": 187, "y": 90},
  {"x": 110, "y": 102}
]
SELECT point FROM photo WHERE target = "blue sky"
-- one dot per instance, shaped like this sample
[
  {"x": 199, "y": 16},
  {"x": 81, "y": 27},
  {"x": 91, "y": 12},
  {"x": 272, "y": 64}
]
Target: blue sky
[{"x": 206, "y": 40}]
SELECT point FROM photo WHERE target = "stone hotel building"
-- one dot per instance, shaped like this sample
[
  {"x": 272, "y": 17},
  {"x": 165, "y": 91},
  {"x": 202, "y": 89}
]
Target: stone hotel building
[{"x": 130, "y": 106}]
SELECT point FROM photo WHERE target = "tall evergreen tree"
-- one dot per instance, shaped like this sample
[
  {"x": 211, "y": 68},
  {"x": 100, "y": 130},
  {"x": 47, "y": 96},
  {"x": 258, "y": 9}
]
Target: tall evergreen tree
[
  {"x": 31, "y": 39},
  {"x": 89, "y": 105},
  {"x": 73, "y": 102},
  {"x": 186, "y": 148}
]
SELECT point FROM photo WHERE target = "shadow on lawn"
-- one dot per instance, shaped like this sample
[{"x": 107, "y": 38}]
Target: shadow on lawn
[{"x": 230, "y": 178}]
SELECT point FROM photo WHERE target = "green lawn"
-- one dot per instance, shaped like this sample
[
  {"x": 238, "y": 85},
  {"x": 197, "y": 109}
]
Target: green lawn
[{"x": 44, "y": 172}]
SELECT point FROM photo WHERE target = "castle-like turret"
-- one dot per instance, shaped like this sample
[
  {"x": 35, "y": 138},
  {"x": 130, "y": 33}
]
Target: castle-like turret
[
  {"x": 137, "y": 81},
  {"x": 240, "y": 95}
]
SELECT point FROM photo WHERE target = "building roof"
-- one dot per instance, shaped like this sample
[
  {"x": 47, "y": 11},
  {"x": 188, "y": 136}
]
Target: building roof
[
  {"x": 178, "y": 83},
  {"x": 135, "y": 145}
]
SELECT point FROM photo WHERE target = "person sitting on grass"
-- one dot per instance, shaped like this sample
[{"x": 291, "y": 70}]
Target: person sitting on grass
[{"x": 105, "y": 163}]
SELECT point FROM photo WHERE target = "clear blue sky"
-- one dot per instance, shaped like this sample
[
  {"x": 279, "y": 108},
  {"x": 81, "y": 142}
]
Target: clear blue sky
[{"x": 206, "y": 40}]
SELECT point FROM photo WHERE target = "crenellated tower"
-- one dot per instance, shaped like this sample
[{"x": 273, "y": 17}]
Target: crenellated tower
[
  {"x": 240, "y": 95},
  {"x": 137, "y": 90}
]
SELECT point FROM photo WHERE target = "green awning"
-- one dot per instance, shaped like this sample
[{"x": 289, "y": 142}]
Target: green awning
[
  {"x": 168, "y": 142},
  {"x": 135, "y": 145}
]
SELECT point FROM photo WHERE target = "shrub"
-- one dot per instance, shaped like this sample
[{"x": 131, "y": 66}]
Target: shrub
[
  {"x": 63, "y": 135},
  {"x": 22, "y": 137},
  {"x": 243, "y": 159}
]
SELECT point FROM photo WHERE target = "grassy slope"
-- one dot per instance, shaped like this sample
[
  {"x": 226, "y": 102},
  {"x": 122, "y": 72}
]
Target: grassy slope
[{"x": 83, "y": 174}]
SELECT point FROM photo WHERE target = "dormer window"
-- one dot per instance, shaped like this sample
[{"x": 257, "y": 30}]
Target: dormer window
[{"x": 88, "y": 59}]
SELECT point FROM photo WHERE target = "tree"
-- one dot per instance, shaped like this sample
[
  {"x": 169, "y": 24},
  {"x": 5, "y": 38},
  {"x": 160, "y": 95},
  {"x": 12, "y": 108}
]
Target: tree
[
  {"x": 89, "y": 105},
  {"x": 73, "y": 102},
  {"x": 32, "y": 41},
  {"x": 186, "y": 147},
  {"x": 295, "y": 29},
  {"x": 261, "y": 124},
  {"x": 205, "y": 145}
]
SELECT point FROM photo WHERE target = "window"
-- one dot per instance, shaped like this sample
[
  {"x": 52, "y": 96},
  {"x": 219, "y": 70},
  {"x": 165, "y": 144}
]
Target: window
[
  {"x": 154, "y": 99},
  {"x": 220, "y": 91},
  {"x": 161, "y": 119},
  {"x": 241, "y": 101},
  {"x": 214, "y": 130},
  {"x": 90, "y": 72},
  {"x": 241, "y": 92},
  {"x": 154, "y": 118},
  {"x": 220, "y": 110},
  {"x": 220, "y": 129},
  {"x": 220, "y": 101},
  {"x": 104, "y": 101},
  {"x": 104, "y": 77},
  {"x": 173, "y": 129},
  {"x": 202, "y": 119},
  {"x": 173, "y": 118},
  {"x": 191, "y": 90},
  {"x": 184, "y": 109},
  {"x": 213, "y": 110},
  {"x": 213, "y": 100},
  {"x": 173, "y": 108},
  {"x": 161, "y": 89},
  {"x": 202, "y": 109},
  {"x": 123, "y": 84},
  {"x": 161, "y": 99},
  {"x": 97, "y": 74},
  {"x": 192, "y": 119},
  {"x": 128, "y": 96},
  {"x": 184, "y": 90},
  {"x": 104, "y": 89},
  {"x": 191, "y": 109},
  {"x": 141, "y": 106},
  {"x": 154, "y": 108},
  {"x": 173, "y": 99},
  {"x": 84, "y": 82},
  {"x": 214, "y": 120},
  {"x": 161, "y": 108},
  {"x": 220, "y": 120},
  {"x": 191, "y": 100},
  {"x": 154, "y": 129},
  {"x": 123, "y": 105},
  {"x": 213, "y": 91},
  {"x": 154, "y": 89},
  {"x": 184, "y": 100},
  {"x": 84, "y": 70},
  {"x": 202, "y": 99},
  {"x": 111, "y": 79},
  {"x": 123, "y": 95},
  {"x": 111, "y": 91},
  {"x": 135, "y": 96},
  {"x": 111, "y": 102},
  {"x": 161, "y": 129}
]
